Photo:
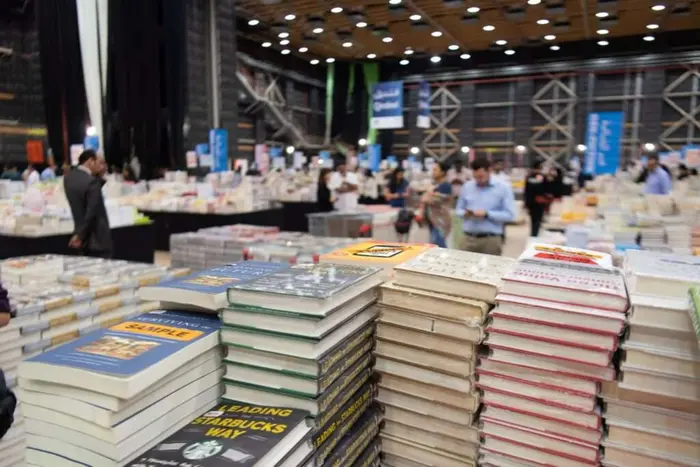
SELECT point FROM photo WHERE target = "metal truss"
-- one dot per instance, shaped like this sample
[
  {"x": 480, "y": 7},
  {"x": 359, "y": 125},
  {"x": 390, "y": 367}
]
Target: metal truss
[
  {"x": 689, "y": 121},
  {"x": 555, "y": 139},
  {"x": 440, "y": 143}
]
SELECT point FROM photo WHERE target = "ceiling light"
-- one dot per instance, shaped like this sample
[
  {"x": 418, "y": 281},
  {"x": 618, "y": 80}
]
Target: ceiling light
[
  {"x": 347, "y": 44},
  {"x": 603, "y": 43},
  {"x": 408, "y": 52},
  {"x": 415, "y": 150},
  {"x": 436, "y": 33},
  {"x": 550, "y": 37},
  {"x": 542, "y": 21},
  {"x": 314, "y": 62},
  {"x": 510, "y": 52},
  {"x": 473, "y": 9},
  {"x": 501, "y": 42},
  {"x": 283, "y": 35},
  {"x": 465, "y": 149},
  {"x": 581, "y": 147},
  {"x": 336, "y": 9},
  {"x": 453, "y": 47},
  {"x": 435, "y": 59},
  {"x": 253, "y": 22},
  {"x": 658, "y": 7},
  {"x": 303, "y": 49},
  {"x": 465, "y": 56},
  {"x": 649, "y": 146},
  {"x": 317, "y": 30},
  {"x": 603, "y": 32},
  {"x": 330, "y": 60},
  {"x": 361, "y": 24},
  {"x": 403, "y": 62},
  {"x": 267, "y": 44},
  {"x": 648, "y": 38},
  {"x": 362, "y": 142},
  {"x": 394, "y": 2},
  {"x": 286, "y": 52},
  {"x": 289, "y": 149},
  {"x": 534, "y": 2},
  {"x": 520, "y": 148},
  {"x": 488, "y": 28},
  {"x": 284, "y": 42},
  {"x": 387, "y": 39},
  {"x": 554, "y": 48},
  {"x": 652, "y": 26},
  {"x": 415, "y": 17},
  {"x": 602, "y": 14},
  {"x": 371, "y": 56},
  {"x": 290, "y": 17}
]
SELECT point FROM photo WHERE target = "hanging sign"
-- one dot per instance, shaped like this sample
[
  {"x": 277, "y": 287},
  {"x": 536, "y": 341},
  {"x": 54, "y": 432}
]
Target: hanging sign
[
  {"x": 92, "y": 142},
  {"x": 423, "y": 120},
  {"x": 35, "y": 152},
  {"x": 218, "y": 145},
  {"x": 603, "y": 141},
  {"x": 387, "y": 105},
  {"x": 375, "y": 156}
]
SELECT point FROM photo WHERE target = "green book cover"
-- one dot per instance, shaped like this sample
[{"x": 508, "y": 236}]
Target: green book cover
[{"x": 694, "y": 309}]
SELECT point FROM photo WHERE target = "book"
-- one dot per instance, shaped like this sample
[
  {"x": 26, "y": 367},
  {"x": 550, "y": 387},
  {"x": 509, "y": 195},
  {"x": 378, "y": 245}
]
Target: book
[
  {"x": 385, "y": 255},
  {"x": 127, "y": 358},
  {"x": 428, "y": 407},
  {"x": 694, "y": 310},
  {"x": 568, "y": 283},
  {"x": 663, "y": 312},
  {"x": 405, "y": 452},
  {"x": 467, "y": 329},
  {"x": 519, "y": 453},
  {"x": 662, "y": 274},
  {"x": 437, "y": 305},
  {"x": 623, "y": 455},
  {"x": 489, "y": 459},
  {"x": 661, "y": 337},
  {"x": 453, "y": 272},
  {"x": 447, "y": 442},
  {"x": 432, "y": 424},
  {"x": 313, "y": 289},
  {"x": 663, "y": 361},
  {"x": 662, "y": 383},
  {"x": 566, "y": 254},
  {"x": 456, "y": 400},
  {"x": 234, "y": 433},
  {"x": 624, "y": 433},
  {"x": 207, "y": 289},
  {"x": 370, "y": 457},
  {"x": 423, "y": 359},
  {"x": 422, "y": 375},
  {"x": 357, "y": 439},
  {"x": 670, "y": 421},
  {"x": 424, "y": 340}
]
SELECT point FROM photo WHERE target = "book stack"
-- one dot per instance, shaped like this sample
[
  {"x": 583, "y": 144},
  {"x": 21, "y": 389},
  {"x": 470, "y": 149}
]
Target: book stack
[
  {"x": 30, "y": 268},
  {"x": 551, "y": 340},
  {"x": 301, "y": 337},
  {"x": 111, "y": 394},
  {"x": 430, "y": 324},
  {"x": 653, "y": 411}
]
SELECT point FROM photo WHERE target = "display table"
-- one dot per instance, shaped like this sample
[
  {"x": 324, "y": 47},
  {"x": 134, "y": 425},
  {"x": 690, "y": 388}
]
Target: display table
[
  {"x": 132, "y": 243},
  {"x": 167, "y": 223}
]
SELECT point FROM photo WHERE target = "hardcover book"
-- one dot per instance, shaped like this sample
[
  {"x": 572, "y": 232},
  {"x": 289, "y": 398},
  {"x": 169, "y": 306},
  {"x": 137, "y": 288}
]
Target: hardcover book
[
  {"x": 667, "y": 275},
  {"x": 374, "y": 253},
  {"x": 566, "y": 254},
  {"x": 357, "y": 439}
]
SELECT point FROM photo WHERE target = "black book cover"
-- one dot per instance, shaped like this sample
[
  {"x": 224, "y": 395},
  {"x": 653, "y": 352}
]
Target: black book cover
[
  {"x": 338, "y": 353},
  {"x": 325, "y": 399},
  {"x": 346, "y": 362},
  {"x": 370, "y": 456},
  {"x": 355, "y": 441},
  {"x": 322, "y": 418},
  {"x": 227, "y": 435}
]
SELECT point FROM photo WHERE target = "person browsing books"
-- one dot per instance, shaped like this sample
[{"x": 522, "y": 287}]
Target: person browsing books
[
  {"x": 397, "y": 190},
  {"x": 436, "y": 206},
  {"x": 486, "y": 205},
  {"x": 344, "y": 185},
  {"x": 324, "y": 200},
  {"x": 658, "y": 181}
]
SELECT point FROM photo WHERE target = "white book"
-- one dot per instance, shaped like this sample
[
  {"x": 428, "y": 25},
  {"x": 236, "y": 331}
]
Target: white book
[
  {"x": 666, "y": 312},
  {"x": 558, "y": 254},
  {"x": 661, "y": 274}
]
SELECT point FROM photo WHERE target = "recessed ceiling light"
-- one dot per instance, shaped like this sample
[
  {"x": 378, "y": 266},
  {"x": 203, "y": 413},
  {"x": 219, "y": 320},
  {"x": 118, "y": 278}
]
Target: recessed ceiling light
[
  {"x": 658, "y": 7},
  {"x": 602, "y": 14},
  {"x": 347, "y": 44},
  {"x": 286, "y": 52},
  {"x": 253, "y": 22},
  {"x": 603, "y": 32},
  {"x": 534, "y": 2},
  {"x": 408, "y": 52},
  {"x": 314, "y": 62},
  {"x": 415, "y": 17},
  {"x": 603, "y": 43},
  {"x": 303, "y": 49},
  {"x": 371, "y": 56},
  {"x": 510, "y": 52},
  {"x": 648, "y": 38},
  {"x": 317, "y": 30},
  {"x": 387, "y": 39},
  {"x": 542, "y": 21},
  {"x": 283, "y": 35},
  {"x": 284, "y": 42},
  {"x": 554, "y": 47},
  {"x": 290, "y": 17},
  {"x": 435, "y": 59},
  {"x": 465, "y": 56},
  {"x": 550, "y": 37},
  {"x": 330, "y": 60},
  {"x": 404, "y": 62},
  {"x": 453, "y": 47},
  {"x": 652, "y": 26},
  {"x": 436, "y": 33},
  {"x": 336, "y": 9},
  {"x": 267, "y": 44},
  {"x": 501, "y": 42},
  {"x": 473, "y": 9},
  {"x": 361, "y": 24},
  {"x": 465, "y": 149},
  {"x": 488, "y": 28},
  {"x": 394, "y": 2}
]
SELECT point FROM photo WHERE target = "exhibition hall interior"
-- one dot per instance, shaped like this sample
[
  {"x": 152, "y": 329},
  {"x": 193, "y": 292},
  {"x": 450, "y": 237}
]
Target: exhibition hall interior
[{"x": 303, "y": 233}]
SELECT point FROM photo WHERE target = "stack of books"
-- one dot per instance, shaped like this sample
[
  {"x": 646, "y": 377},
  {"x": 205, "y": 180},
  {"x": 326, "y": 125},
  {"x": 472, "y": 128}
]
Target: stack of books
[
  {"x": 111, "y": 394},
  {"x": 431, "y": 322},
  {"x": 301, "y": 337},
  {"x": 29, "y": 268},
  {"x": 551, "y": 340},
  {"x": 653, "y": 411}
]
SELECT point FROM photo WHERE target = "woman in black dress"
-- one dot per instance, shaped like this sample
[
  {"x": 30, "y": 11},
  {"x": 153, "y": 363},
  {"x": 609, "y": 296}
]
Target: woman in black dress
[{"x": 324, "y": 201}]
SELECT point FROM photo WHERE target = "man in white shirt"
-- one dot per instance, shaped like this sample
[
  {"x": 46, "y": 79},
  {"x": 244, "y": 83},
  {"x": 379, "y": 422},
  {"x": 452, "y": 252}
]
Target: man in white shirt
[
  {"x": 32, "y": 175},
  {"x": 344, "y": 185},
  {"x": 498, "y": 174}
]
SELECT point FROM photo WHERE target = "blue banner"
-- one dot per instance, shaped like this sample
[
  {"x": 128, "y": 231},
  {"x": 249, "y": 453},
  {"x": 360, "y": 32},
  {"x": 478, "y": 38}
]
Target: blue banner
[
  {"x": 387, "y": 105},
  {"x": 218, "y": 144},
  {"x": 275, "y": 152},
  {"x": 324, "y": 155},
  {"x": 423, "y": 120},
  {"x": 603, "y": 142},
  {"x": 92, "y": 142},
  {"x": 375, "y": 156}
]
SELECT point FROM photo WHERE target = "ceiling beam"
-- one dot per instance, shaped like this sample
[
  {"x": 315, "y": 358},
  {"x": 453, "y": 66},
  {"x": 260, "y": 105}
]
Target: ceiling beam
[
  {"x": 435, "y": 24},
  {"x": 584, "y": 14}
]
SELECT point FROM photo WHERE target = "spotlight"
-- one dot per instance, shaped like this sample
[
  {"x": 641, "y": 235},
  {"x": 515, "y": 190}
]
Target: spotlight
[
  {"x": 510, "y": 52},
  {"x": 415, "y": 17},
  {"x": 436, "y": 33},
  {"x": 347, "y": 44},
  {"x": 603, "y": 32},
  {"x": 415, "y": 150},
  {"x": 284, "y": 42},
  {"x": 542, "y": 21},
  {"x": 603, "y": 43},
  {"x": 602, "y": 14},
  {"x": 534, "y": 2},
  {"x": 435, "y": 59},
  {"x": 652, "y": 26},
  {"x": 554, "y": 48},
  {"x": 289, "y": 150},
  {"x": 550, "y": 37},
  {"x": 290, "y": 17},
  {"x": 387, "y": 39},
  {"x": 658, "y": 7},
  {"x": 649, "y": 147},
  {"x": 408, "y": 52},
  {"x": 488, "y": 28},
  {"x": 253, "y": 22},
  {"x": 336, "y": 10},
  {"x": 317, "y": 30},
  {"x": 330, "y": 60},
  {"x": 303, "y": 49},
  {"x": 371, "y": 56},
  {"x": 453, "y": 47},
  {"x": 283, "y": 35},
  {"x": 286, "y": 52},
  {"x": 501, "y": 42},
  {"x": 649, "y": 38},
  {"x": 404, "y": 62},
  {"x": 473, "y": 10},
  {"x": 465, "y": 56},
  {"x": 267, "y": 44},
  {"x": 520, "y": 148},
  {"x": 581, "y": 147},
  {"x": 362, "y": 142},
  {"x": 361, "y": 24},
  {"x": 314, "y": 62},
  {"x": 465, "y": 149}
]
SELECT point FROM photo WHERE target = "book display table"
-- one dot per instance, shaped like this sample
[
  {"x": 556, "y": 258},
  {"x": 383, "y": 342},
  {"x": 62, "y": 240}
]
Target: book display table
[{"x": 132, "y": 243}]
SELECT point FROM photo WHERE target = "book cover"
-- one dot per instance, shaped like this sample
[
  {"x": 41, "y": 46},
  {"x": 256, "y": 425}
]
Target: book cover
[
  {"x": 683, "y": 268},
  {"x": 357, "y": 439},
  {"x": 694, "y": 309},
  {"x": 559, "y": 254},
  {"x": 370, "y": 456},
  {"x": 319, "y": 281},
  {"x": 381, "y": 253},
  {"x": 217, "y": 280},
  {"x": 228, "y": 434},
  {"x": 133, "y": 346}
]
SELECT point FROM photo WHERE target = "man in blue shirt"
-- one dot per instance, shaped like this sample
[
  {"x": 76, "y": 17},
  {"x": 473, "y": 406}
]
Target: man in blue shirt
[
  {"x": 658, "y": 180},
  {"x": 486, "y": 205}
]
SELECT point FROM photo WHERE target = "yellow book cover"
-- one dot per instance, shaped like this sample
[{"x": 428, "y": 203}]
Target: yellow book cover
[{"x": 375, "y": 253}]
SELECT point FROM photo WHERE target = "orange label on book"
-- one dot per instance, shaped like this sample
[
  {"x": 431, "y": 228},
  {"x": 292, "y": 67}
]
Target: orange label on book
[{"x": 157, "y": 330}]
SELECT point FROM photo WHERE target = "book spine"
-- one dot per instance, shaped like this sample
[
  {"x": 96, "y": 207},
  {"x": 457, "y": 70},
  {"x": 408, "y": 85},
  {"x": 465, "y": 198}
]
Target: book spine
[
  {"x": 694, "y": 293},
  {"x": 339, "y": 352},
  {"x": 341, "y": 367},
  {"x": 325, "y": 399},
  {"x": 370, "y": 456},
  {"x": 328, "y": 436},
  {"x": 356, "y": 440},
  {"x": 323, "y": 417}
]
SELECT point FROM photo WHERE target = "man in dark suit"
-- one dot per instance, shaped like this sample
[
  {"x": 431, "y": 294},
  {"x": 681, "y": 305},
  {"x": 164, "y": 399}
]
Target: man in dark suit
[{"x": 83, "y": 189}]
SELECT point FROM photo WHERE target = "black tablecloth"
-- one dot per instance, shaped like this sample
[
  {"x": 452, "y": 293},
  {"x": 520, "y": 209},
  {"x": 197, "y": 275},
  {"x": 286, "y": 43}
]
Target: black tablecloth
[
  {"x": 133, "y": 243},
  {"x": 167, "y": 223}
]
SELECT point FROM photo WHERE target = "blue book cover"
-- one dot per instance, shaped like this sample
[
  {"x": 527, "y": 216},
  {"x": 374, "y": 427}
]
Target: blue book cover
[
  {"x": 216, "y": 281},
  {"x": 133, "y": 346}
]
